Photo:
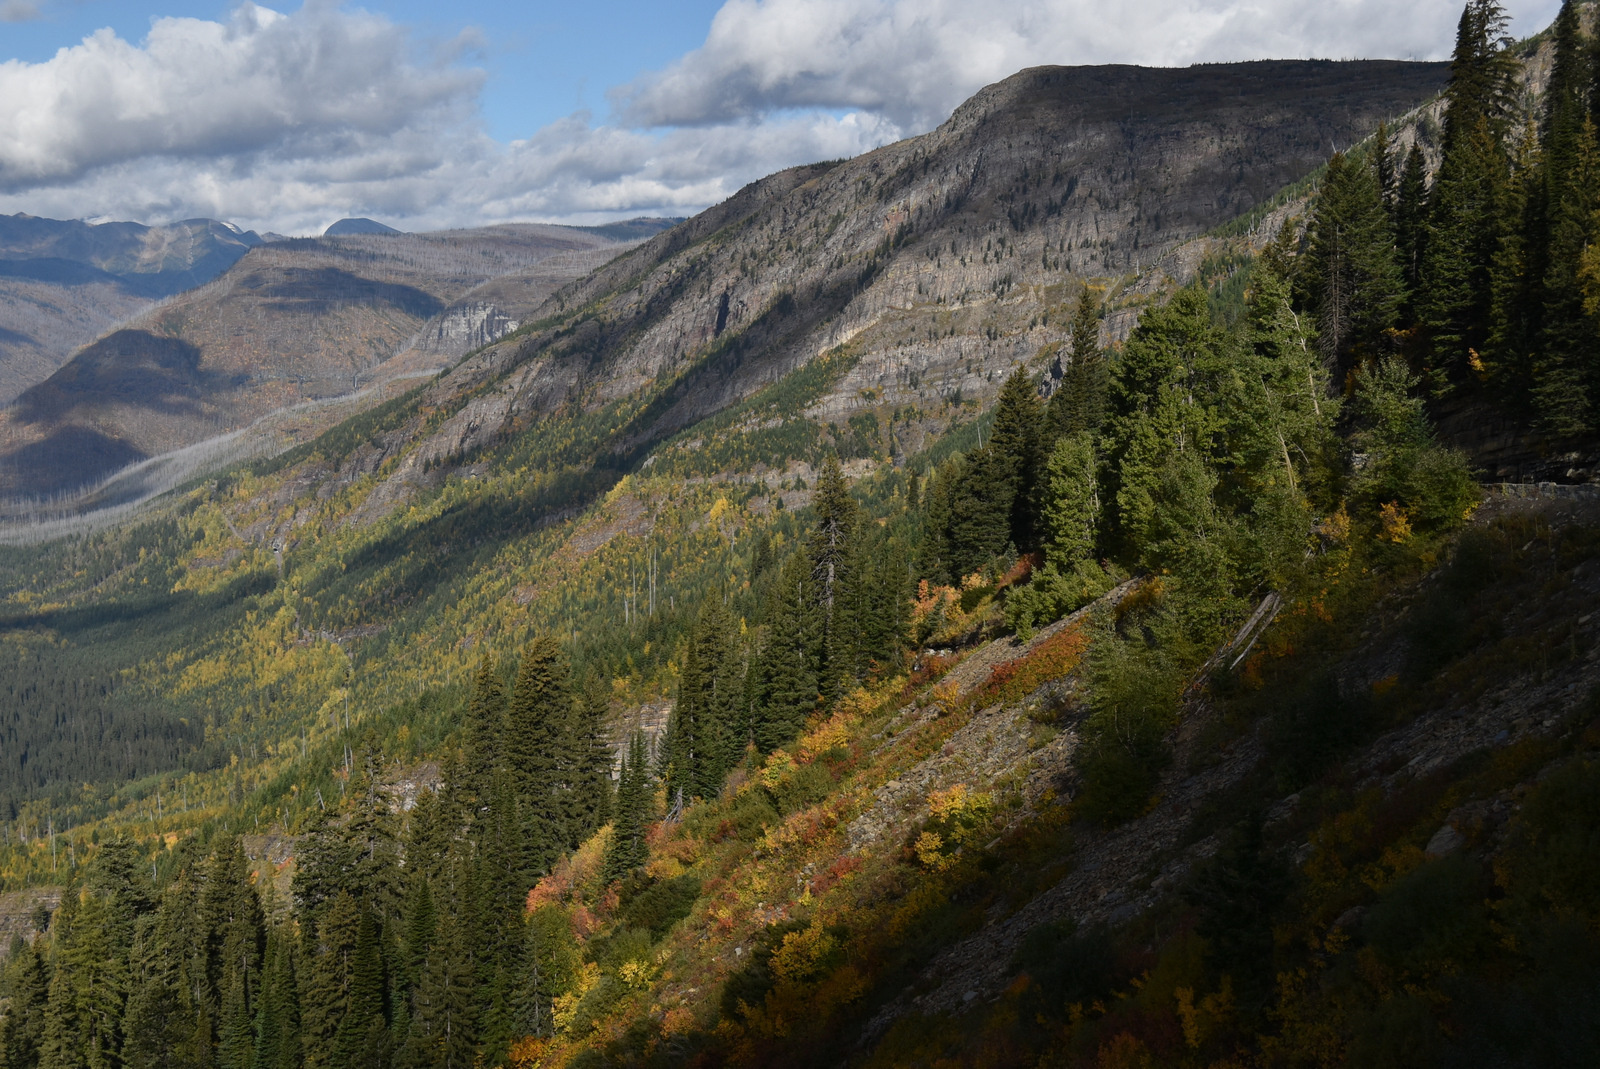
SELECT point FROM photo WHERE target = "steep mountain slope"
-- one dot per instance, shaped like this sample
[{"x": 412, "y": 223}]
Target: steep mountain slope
[
  {"x": 64, "y": 282},
  {"x": 532, "y": 485},
  {"x": 948, "y": 258},
  {"x": 295, "y": 321}
]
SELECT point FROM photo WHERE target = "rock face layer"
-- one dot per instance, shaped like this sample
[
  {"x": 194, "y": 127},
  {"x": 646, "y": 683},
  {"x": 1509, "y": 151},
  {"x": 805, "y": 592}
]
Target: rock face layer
[{"x": 940, "y": 261}]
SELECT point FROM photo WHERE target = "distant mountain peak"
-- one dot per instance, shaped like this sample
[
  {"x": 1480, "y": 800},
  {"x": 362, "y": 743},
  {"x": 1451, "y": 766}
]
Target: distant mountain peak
[{"x": 358, "y": 226}]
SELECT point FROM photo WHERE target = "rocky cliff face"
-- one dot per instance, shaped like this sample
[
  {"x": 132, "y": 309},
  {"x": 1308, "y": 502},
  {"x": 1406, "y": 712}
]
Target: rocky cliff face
[{"x": 937, "y": 263}]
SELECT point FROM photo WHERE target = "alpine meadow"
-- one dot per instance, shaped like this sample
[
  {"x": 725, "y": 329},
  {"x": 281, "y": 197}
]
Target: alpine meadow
[{"x": 1111, "y": 581}]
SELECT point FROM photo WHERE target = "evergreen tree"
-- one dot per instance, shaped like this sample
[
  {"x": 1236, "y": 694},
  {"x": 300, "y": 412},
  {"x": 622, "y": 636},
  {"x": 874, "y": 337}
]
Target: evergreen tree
[
  {"x": 699, "y": 746},
  {"x": 635, "y": 793},
  {"x": 1411, "y": 224},
  {"x": 278, "y": 1010},
  {"x": 442, "y": 1033},
  {"x": 592, "y": 801},
  {"x": 1352, "y": 274},
  {"x": 235, "y": 927},
  {"x": 1015, "y": 443},
  {"x": 1567, "y": 369},
  {"x": 1465, "y": 221},
  {"x": 325, "y": 979},
  {"x": 360, "y": 1038},
  {"x": 789, "y": 687},
  {"x": 537, "y": 741},
  {"x": 486, "y": 714},
  {"x": 1080, "y": 400},
  {"x": 551, "y": 964},
  {"x": 1154, "y": 409},
  {"x": 421, "y": 921},
  {"x": 22, "y": 1027},
  {"x": 935, "y": 558},
  {"x": 1072, "y": 501},
  {"x": 1516, "y": 274}
]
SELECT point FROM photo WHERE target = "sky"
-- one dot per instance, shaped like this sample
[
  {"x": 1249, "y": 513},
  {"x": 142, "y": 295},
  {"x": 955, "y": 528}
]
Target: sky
[{"x": 430, "y": 115}]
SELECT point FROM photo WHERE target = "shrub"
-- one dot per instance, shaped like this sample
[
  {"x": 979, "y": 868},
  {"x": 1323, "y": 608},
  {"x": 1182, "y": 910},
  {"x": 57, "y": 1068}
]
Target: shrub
[
  {"x": 661, "y": 905},
  {"x": 1054, "y": 593},
  {"x": 1433, "y": 918},
  {"x": 1422, "y": 483},
  {"x": 1134, "y": 695}
]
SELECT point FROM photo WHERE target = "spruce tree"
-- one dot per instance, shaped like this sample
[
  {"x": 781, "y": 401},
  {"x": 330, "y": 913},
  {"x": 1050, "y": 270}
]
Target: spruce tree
[
  {"x": 358, "y": 1036},
  {"x": 325, "y": 979},
  {"x": 536, "y": 743},
  {"x": 1516, "y": 275},
  {"x": 1015, "y": 443},
  {"x": 635, "y": 793},
  {"x": 1071, "y": 493},
  {"x": 789, "y": 668},
  {"x": 485, "y": 721},
  {"x": 22, "y": 1027},
  {"x": 1567, "y": 368},
  {"x": 278, "y": 1011},
  {"x": 1465, "y": 222},
  {"x": 592, "y": 794},
  {"x": 442, "y": 1032},
  {"x": 1080, "y": 400},
  {"x": 700, "y": 746},
  {"x": 1352, "y": 274},
  {"x": 551, "y": 964},
  {"x": 1410, "y": 224}
]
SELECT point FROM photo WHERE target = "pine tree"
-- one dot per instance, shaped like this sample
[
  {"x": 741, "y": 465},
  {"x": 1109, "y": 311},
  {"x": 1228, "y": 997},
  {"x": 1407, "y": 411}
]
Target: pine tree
[
  {"x": 1352, "y": 274},
  {"x": 699, "y": 746},
  {"x": 551, "y": 964},
  {"x": 1567, "y": 369},
  {"x": 1071, "y": 494},
  {"x": 325, "y": 979},
  {"x": 635, "y": 791},
  {"x": 789, "y": 685},
  {"x": 421, "y": 922},
  {"x": 235, "y": 940},
  {"x": 1015, "y": 443},
  {"x": 1465, "y": 222},
  {"x": 537, "y": 738},
  {"x": 1080, "y": 400},
  {"x": 22, "y": 1027},
  {"x": 277, "y": 1022},
  {"x": 1516, "y": 275},
  {"x": 359, "y": 1037},
  {"x": 592, "y": 801},
  {"x": 935, "y": 561},
  {"x": 1154, "y": 409},
  {"x": 1411, "y": 224},
  {"x": 485, "y": 720},
  {"x": 442, "y": 1032}
]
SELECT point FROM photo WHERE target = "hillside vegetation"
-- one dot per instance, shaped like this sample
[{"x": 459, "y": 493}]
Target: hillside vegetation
[{"x": 1066, "y": 659}]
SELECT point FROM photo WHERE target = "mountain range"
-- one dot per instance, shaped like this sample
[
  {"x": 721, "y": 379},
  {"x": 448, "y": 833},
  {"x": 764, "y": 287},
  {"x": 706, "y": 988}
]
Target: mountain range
[{"x": 636, "y": 645}]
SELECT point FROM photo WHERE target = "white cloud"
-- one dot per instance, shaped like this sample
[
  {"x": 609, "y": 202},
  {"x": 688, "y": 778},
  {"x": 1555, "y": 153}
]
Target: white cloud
[
  {"x": 324, "y": 82},
  {"x": 290, "y": 121}
]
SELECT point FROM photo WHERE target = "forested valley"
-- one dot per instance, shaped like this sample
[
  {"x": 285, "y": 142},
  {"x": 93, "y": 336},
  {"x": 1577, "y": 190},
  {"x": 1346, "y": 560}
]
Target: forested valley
[{"x": 1197, "y": 704}]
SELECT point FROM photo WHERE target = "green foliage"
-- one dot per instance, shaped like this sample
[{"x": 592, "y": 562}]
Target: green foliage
[
  {"x": 1352, "y": 271},
  {"x": 1406, "y": 468},
  {"x": 661, "y": 905},
  {"x": 1134, "y": 703}
]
